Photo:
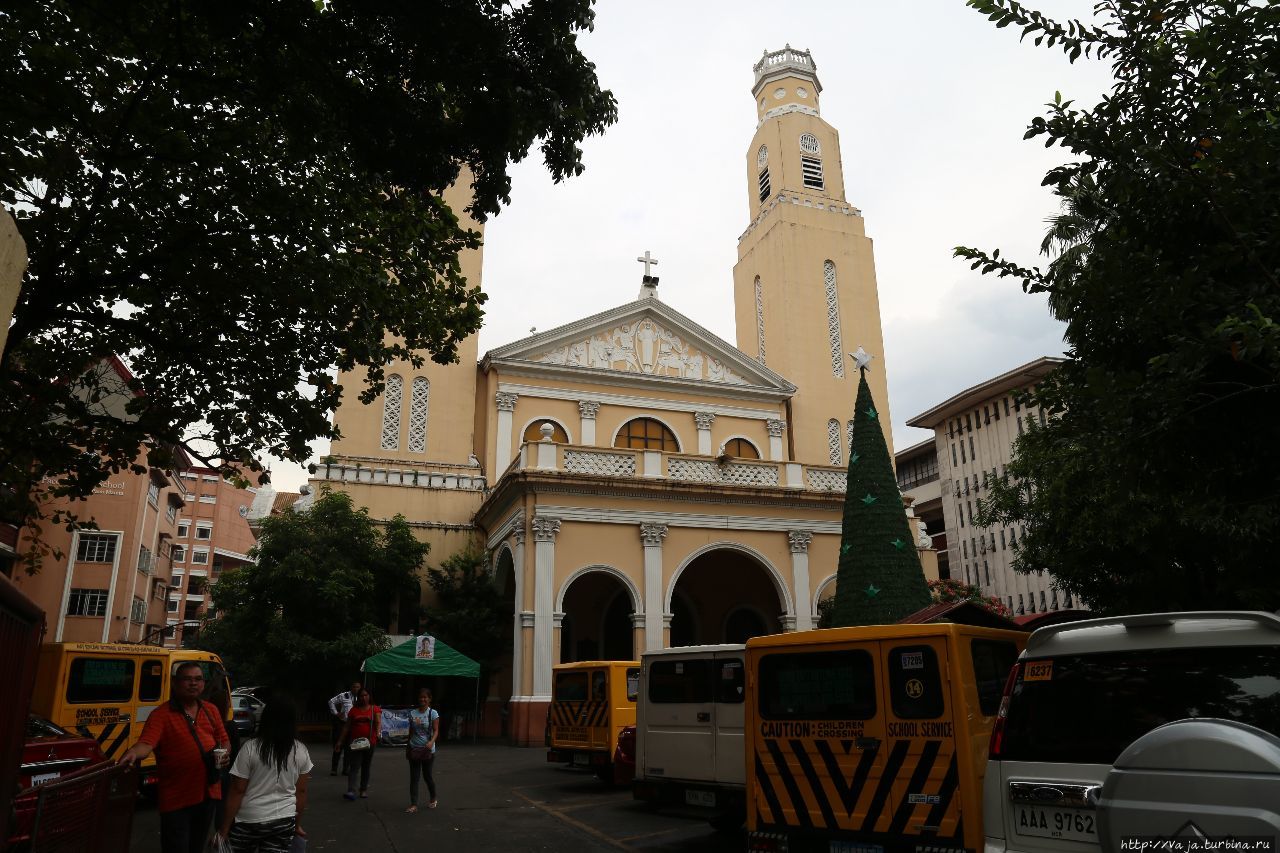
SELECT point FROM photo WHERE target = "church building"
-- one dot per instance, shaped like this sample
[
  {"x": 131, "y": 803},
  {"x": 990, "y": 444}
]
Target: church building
[{"x": 636, "y": 481}]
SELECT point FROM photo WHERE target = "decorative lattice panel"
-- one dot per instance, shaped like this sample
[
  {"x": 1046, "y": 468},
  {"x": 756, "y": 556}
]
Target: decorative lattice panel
[
  {"x": 760, "y": 320},
  {"x": 827, "y": 481},
  {"x": 392, "y": 400},
  {"x": 750, "y": 475},
  {"x": 848, "y": 434},
  {"x": 833, "y": 319},
  {"x": 834, "y": 450},
  {"x": 418, "y": 396},
  {"x": 693, "y": 470},
  {"x": 602, "y": 464}
]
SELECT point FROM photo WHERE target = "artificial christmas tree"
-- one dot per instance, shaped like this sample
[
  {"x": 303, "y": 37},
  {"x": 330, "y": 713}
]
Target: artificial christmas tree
[{"x": 880, "y": 579}]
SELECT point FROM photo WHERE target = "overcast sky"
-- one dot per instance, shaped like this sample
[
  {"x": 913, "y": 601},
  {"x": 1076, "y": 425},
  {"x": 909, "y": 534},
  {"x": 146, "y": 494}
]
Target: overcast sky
[{"x": 930, "y": 101}]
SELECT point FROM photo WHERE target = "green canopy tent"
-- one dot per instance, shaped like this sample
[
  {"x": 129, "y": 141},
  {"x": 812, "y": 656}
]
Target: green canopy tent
[{"x": 445, "y": 661}]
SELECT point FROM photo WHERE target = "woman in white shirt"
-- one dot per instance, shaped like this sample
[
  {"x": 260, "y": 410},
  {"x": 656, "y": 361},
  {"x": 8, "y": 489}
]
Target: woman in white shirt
[{"x": 268, "y": 785}]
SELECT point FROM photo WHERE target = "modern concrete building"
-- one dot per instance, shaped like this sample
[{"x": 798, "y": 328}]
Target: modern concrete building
[
  {"x": 637, "y": 481},
  {"x": 212, "y": 536},
  {"x": 974, "y": 433},
  {"x": 921, "y": 484}
]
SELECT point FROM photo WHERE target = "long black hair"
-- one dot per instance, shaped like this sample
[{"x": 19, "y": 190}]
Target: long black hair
[{"x": 277, "y": 732}]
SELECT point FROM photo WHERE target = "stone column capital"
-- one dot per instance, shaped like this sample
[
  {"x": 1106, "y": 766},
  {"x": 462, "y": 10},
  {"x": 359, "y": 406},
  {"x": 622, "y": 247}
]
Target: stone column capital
[
  {"x": 799, "y": 540},
  {"x": 545, "y": 528},
  {"x": 704, "y": 419},
  {"x": 506, "y": 400},
  {"x": 588, "y": 409},
  {"x": 518, "y": 534},
  {"x": 557, "y": 619},
  {"x": 652, "y": 534},
  {"x": 526, "y": 618},
  {"x": 775, "y": 427},
  {"x": 637, "y": 620}
]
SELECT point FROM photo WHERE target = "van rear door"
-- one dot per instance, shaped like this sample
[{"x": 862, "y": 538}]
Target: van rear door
[
  {"x": 924, "y": 799},
  {"x": 819, "y": 738},
  {"x": 679, "y": 740},
  {"x": 730, "y": 693}
]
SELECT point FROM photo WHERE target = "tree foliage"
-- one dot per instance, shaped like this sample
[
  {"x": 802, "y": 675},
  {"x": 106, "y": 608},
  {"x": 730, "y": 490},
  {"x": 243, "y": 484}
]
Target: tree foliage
[
  {"x": 469, "y": 612},
  {"x": 879, "y": 579},
  {"x": 1156, "y": 482},
  {"x": 319, "y": 598},
  {"x": 236, "y": 197}
]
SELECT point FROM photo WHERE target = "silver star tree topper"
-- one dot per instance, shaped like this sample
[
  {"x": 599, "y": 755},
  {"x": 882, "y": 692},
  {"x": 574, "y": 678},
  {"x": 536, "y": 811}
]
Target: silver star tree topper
[{"x": 861, "y": 358}]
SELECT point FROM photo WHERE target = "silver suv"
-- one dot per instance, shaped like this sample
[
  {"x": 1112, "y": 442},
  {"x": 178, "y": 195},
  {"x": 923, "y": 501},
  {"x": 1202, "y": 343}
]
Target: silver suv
[{"x": 1154, "y": 726}]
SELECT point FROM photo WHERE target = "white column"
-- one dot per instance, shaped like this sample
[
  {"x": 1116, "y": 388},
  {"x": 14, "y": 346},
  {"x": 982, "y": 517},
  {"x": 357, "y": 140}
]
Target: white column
[
  {"x": 800, "y": 540},
  {"x": 587, "y": 410},
  {"x": 517, "y": 636},
  {"x": 775, "y": 428},
  {"x": 545, "y": 529},
  {"x": 704, "y": 421},
  {"x": 506, "y": 405},
  {"x": 651, "y": 535}
]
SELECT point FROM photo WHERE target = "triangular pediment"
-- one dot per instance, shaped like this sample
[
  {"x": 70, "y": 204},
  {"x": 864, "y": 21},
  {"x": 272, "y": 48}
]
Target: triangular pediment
[{"x": 646, "y": 338}]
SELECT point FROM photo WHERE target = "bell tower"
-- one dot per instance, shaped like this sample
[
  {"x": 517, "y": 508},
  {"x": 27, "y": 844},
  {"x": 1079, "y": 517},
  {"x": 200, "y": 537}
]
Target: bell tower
[{"x": 805, "y": 283}]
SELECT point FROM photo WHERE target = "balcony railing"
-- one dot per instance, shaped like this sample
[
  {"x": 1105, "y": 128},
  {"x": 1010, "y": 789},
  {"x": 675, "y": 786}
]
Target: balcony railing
[{"x": 680, "y": 467}]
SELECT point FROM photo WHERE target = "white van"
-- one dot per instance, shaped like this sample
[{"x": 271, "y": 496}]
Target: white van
[
  {"x": 1153, "y": 726},
  {"x": 689, "y": 728}
]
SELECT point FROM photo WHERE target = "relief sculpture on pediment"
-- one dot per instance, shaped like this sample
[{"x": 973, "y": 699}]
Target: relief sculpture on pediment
[{"x": 641, "y": 347}]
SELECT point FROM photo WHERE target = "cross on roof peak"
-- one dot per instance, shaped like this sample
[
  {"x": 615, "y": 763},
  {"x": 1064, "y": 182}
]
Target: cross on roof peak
[{"x": 648, "y": 261}]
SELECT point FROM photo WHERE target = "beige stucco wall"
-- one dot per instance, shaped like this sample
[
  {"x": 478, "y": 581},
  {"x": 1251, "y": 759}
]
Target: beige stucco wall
[{"x": 13, "y": 264}]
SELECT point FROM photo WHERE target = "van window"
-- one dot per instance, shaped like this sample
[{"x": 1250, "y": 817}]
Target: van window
[
  {"x": 151, "y": 682},
  {"x": 992, "y": 660},
  {"x": 598, "y": 685},
  {"x": 680, "y": 681},
  {"x": 633, "y": 684},
  {"x": 100, "y": 680},
  {"x": 571, "y": 686},
  {"x": 1086, "y": 709},
  {"x": 730, "y": 681},
  {"x": 915, "y": 687},
  {"x": 835, "y": 685}
]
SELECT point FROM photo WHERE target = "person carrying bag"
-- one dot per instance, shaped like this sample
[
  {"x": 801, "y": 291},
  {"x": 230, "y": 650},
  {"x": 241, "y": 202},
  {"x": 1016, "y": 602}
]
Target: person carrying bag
[
  {"x": 359, "y": 737},
  {"x": 424, "y": 729}
]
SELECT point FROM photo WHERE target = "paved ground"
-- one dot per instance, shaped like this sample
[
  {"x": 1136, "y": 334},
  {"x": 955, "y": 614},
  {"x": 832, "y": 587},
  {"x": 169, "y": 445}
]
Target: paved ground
[{"x": 492, "y": 797}]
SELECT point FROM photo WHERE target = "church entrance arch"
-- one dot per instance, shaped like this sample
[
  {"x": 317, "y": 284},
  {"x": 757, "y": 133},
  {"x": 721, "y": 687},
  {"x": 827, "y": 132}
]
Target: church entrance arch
[
  {"x": 504, "y": 578},
  {"x": 598, "y": 603},
  {"x": 725, "y": 594}
]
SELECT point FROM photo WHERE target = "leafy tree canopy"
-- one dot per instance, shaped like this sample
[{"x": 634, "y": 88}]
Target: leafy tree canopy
[
  {"x": 318, "y": 600},
  {"x": 1156, "y": 482},
  {"x": 236, "y": 197},
  {"x": 469, "y": 612}
]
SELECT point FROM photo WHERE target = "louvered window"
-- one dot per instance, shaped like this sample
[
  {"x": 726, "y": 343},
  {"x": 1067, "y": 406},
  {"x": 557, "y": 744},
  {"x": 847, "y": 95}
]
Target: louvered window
[
  {"x": 811, "y": 169},
  {"x": 765, "y": 188}
]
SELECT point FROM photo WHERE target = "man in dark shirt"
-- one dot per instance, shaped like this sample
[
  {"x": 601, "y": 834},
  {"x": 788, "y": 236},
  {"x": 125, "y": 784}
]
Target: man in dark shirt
[{"x": 180, "y": 733}]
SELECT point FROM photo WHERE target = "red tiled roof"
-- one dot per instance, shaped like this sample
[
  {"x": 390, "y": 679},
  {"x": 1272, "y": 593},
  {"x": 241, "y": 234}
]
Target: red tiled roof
[
  {"x": 283, "y": 501},
  {"x": 960, "y": 612}
]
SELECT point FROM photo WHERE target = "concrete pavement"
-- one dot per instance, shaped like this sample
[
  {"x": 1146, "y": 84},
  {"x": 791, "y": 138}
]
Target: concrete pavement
[{"x": 492, "y": 797}]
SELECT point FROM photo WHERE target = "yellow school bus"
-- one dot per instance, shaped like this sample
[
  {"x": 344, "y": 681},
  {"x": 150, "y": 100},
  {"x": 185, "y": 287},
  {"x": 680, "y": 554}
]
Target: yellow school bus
[
  {"x": 872, "y": 739},
  {"x": 108, "y": 690},
  {"x": 591, "y": 702}
]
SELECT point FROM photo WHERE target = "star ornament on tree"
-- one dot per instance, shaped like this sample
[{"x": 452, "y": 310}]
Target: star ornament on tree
[
  {"x": 861, "y": 358},
  {"x": 869, "y": 499},
  {"x": 872, "y": 591}
]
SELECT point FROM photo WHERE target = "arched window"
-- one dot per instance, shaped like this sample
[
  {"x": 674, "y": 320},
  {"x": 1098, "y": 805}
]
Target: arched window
[
  {"x": 392, "y": 400},
  {"x": 834, "y": 450},
  {"x": 833, "y": 319},
  {"x": 647, "y": 434},
  {"x": 760, "y": 321},
  {"x": 533, "y": 432},
  {"x": 420, "y": 393},
  {"x": 741, "y": 449}
]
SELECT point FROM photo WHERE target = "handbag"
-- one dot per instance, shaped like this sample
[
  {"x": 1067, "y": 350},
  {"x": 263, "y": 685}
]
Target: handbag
[
  {"x": 420, "y": 753},
  {"x": 298, "y": 845},
  {"x": 359, "y": 744},
  {"x": 212, "y": 772}
]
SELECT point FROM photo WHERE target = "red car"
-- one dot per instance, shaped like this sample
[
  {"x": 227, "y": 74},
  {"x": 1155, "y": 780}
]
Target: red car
[
  {"x": 624, "y": 757},
  {"x": 49, "y": 753}
]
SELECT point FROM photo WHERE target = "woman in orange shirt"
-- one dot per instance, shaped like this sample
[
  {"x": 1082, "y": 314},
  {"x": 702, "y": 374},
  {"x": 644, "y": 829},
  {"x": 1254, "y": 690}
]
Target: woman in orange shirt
[{"x": 363, "y": 724}]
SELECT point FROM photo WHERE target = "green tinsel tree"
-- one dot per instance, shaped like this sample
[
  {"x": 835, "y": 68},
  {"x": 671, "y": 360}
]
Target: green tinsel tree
[{"x": 880, "y": 579}]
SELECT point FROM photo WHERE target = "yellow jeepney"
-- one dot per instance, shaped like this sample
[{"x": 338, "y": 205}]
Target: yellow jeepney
[
  {"x": 872, "y": 739},
  {"x": 591, "y": 702},
  {"x": 107, "y": 690}
]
